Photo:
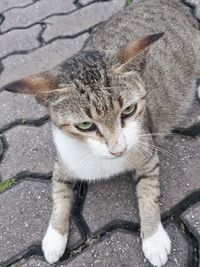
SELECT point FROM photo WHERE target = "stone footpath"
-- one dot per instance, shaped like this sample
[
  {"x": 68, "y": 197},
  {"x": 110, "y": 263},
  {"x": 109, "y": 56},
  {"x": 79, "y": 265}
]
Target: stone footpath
[{"x": 36, "y": 35}]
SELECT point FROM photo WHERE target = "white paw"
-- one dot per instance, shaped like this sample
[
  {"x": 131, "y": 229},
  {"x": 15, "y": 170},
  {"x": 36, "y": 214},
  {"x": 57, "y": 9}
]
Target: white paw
[
  {"x": 53, "y": 245},
  {"x": 157, "y": 247}
]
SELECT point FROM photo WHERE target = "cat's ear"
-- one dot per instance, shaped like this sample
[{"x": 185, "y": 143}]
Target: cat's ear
[
  {"x": 42, "y": 83},
  {"x": 133, "y": 55}
]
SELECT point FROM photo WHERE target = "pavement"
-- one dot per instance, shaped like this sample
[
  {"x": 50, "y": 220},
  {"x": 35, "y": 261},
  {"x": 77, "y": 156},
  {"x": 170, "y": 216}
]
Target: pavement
[{"x": 36, "y": 35}]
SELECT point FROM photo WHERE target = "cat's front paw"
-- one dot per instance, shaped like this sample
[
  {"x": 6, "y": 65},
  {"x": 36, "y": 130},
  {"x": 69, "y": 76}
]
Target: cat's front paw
[
  {"x": 157, "y": 247},
  {"x": 53, "y": 245}
]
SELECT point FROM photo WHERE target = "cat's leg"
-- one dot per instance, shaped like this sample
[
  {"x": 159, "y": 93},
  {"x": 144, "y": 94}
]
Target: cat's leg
[
  {"x": 155, "y": 241},
  {"x": 55, "y": 240}
]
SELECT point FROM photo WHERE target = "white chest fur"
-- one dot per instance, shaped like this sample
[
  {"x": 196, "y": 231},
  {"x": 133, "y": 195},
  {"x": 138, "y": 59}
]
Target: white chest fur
[{"x": 82, "y": 163}]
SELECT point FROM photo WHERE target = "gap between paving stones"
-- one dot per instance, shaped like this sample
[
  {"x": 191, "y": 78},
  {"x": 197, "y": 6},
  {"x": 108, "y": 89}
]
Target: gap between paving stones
[
  {"x": 42, "y": 43},
  {"x": 25, "y": 122},
  {"x": 192, "y": 131},
  {"x": 1, "y": 68},
  {"x": 20, "y": 7},
  {"x": 79, "y": 5},
  {"x": 5, "y": 146},
  {"x": 26, "y": 176},
  {"x": 28, "y": 51},
  {"x": 2, "y": 18}
]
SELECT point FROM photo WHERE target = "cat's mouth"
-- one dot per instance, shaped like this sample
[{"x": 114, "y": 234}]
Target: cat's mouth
[{"x": 117, "y": 155}]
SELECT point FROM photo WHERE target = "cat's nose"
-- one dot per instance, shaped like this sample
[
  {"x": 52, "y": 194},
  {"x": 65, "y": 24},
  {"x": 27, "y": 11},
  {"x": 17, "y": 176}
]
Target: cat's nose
[{"x": 118, "y": 154}]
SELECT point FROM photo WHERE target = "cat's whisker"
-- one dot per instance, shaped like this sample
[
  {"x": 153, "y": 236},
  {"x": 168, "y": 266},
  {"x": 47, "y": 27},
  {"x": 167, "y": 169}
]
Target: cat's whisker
[
  {"x": 164, "y": 134},
  {"x": 159, "y": 149},
  {"x": 143, "y": 150},
  {"x": 139, "y": 152}
]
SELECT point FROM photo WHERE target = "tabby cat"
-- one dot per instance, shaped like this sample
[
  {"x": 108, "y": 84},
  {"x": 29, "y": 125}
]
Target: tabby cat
[{"x": 111, "y": 103}]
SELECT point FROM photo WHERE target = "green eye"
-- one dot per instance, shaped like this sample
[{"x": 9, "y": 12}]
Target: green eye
[
  {"x": 86, "y": 126},
  {"x": 129, "y": 111}
]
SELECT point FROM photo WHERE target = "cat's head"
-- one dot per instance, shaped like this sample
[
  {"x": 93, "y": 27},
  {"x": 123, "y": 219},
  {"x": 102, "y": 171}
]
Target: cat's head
[{"x": 96, "y": 97}]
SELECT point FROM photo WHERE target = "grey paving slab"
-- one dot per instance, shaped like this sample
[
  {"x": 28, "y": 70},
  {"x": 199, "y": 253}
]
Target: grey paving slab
[
  {"x": 34, "y": 13},
  {"x": 120, "y": 202},
  {"x": 7, "y": 4},
  {"x": 192, "y": 219},
  {"x": 14, "y": 106},
  {"x": 24, "y": 215},
  {"x": 179, "y": 171},
  {"x": 124, "y": 249},
  {"x": 179, "y": 177},
  {"x": 18, "y": 66},
  {"x": 19, "y": 40},
  {"x": 82, "y": 19},
  {"x": 30, "y": 149},
  {"x": 33, "y": 262}
]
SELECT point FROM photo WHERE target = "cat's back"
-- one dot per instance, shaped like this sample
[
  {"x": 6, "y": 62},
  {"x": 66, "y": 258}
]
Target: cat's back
[{"x": 144, "y": 18}]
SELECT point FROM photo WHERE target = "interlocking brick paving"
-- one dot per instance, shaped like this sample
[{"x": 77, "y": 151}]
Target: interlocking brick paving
[
  {"x": 35, "y": 35},
  {"x": 15, "y": 107},
  {"x": 48, "y": 56},
  {"x": 120, "y": 204},
  {"x": 24, "y": 215},
  {"x": 25, "y": 151},
  {"x": 34, "y": 13},
  {"x": 192, "y": 219},
  {"x": 124, "y": 249},
  {"x": 24, "y": 40},
  {"x": 87, "y": 17}
]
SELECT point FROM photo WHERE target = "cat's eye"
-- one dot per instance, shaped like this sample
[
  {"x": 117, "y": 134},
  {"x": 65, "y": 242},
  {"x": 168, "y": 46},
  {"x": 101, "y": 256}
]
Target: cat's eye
[
  {"x": 129, "y": 111},
  {"x": 85, "y": 126}
]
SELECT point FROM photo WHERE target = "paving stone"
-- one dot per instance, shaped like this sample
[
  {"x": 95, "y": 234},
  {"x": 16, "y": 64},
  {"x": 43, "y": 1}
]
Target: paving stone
[
  {"x": 120, "y": 249},
  {"x": 34, "y": 13},
  {"x": 24, "y": 215},
  {"x": 14, "y": 106},
  {"x": 120, "y": 203},
  {"x": 179, "y": 176},
  {"x": 124, "y": 249},
  {"x": 33, "y": 262},
  {"x": 23, "y": 40},
  {"x": 18, "y": 66},
  {"x": 7, "y": 4},
  {"x": 82, "y": 19},
  {"x": 192, "y": 219},
  {"x": 30, "y": 149}
]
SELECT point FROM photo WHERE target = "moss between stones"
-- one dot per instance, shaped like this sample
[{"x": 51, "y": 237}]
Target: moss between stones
[
  {"x": 7, "y": 184},
  {"x": 129, "y": 2}
]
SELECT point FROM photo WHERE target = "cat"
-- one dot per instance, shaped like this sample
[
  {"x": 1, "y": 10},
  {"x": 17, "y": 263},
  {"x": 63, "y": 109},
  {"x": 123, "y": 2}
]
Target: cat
[{"x": 110, "y": 105}]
